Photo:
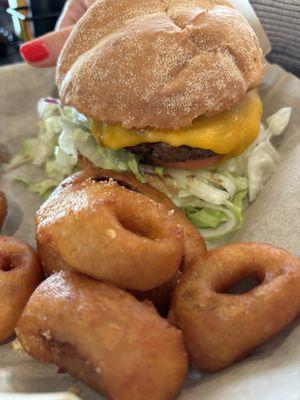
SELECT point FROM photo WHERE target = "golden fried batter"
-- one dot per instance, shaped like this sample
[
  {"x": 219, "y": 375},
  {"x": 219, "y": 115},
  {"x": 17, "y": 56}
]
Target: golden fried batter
[
  {"x": 110, "y": 232},
  {"x": 105, "y": 337},
  {"x": 221, "y": 328},
  {"x": 160, "y": 296},
  {"x": 194, "y": 244},
  {"x": 3, "y": 209},
  {"x": 20, "y": 273}
]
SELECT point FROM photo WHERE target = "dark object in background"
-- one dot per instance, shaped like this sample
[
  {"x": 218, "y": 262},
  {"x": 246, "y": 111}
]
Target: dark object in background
[
  {"x": 281, "y": 21},
  {"x": 39, "y": 16},
  {"x": 52, "y": 8},
  {"x": 9, "y": 43},
  {"x": 22, "y": 20}
]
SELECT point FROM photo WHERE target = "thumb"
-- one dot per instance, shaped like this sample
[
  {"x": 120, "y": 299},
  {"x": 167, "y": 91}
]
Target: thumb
[{"x": 44, "y": 51}]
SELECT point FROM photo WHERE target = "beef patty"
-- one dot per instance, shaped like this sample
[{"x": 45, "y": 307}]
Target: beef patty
[{"x": 166, "y": 153}]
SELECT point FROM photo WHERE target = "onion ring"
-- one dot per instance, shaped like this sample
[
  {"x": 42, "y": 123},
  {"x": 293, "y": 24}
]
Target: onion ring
[
  {"x": 3, "y": 209},
  {"x": 107, "y": 230},
  {"x": 194, "y": 244},
  {"x": 105, "y": 337},
  {"x": 221, "y": 328},
  {"x": 20, "y": 273}
]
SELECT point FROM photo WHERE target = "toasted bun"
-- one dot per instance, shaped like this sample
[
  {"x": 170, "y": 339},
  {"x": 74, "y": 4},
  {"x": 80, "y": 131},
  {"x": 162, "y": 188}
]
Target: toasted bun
[{"x": 158, "y": 63}]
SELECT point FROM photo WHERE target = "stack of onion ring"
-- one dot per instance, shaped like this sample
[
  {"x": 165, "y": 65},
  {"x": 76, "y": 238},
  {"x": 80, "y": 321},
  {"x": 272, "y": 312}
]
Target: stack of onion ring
[
  {"x": 20, "y": 274},
  {"x": 193, "y": 243},
  {"x": 221, "y": 328},
  {"x": 110, "y": 231},
  {"x": 3, "y": 208},
  {"x": 105, "y": 337}
]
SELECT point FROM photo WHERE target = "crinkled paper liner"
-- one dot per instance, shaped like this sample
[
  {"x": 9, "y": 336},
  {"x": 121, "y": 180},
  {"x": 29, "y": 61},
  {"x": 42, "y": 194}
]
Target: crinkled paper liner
[{"x": 273, "y": 372}]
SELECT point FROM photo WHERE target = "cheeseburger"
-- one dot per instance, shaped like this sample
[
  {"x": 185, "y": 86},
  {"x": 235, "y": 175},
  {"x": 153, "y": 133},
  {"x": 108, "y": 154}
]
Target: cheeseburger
[
  {"x": 168, "y": 80},
  {"x": 165, "y": 89}
]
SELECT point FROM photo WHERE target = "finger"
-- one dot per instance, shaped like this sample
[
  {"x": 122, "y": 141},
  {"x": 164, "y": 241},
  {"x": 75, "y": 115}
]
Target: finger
[
  {"x": 71, "y": 13},
  {"x": 44, "y": 51}
]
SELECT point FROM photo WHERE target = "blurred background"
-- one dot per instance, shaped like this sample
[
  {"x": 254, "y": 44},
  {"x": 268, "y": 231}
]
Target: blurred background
[{"x": 22, "y": 20}]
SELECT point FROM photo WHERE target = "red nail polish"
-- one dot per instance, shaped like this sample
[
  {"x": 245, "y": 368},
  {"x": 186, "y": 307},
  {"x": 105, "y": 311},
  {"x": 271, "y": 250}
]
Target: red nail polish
[{"x": 34, "y": 51}]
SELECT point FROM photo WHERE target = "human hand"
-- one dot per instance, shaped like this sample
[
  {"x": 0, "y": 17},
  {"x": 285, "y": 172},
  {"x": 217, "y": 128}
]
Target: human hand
[{"x": 44, "y": 51}]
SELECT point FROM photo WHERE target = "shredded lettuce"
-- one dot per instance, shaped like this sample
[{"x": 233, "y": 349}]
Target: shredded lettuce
[
  {"x": 213, "y": 199},
  {"x": 262, "y": 155},
  {"x": 43, "y": 188},
  {"x": 207, "y": 218}
]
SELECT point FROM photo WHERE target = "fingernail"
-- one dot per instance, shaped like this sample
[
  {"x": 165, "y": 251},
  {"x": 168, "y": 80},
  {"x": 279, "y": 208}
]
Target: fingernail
[{"x": 34, "y": 51}]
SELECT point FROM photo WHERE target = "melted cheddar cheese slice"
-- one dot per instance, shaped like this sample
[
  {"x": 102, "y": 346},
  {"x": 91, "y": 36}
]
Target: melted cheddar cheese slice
[{"x": 229, "y": 132}]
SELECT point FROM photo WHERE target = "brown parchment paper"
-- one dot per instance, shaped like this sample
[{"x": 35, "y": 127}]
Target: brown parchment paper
[{"x": 273, "y": 372}]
